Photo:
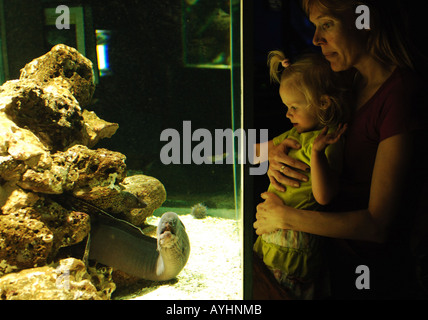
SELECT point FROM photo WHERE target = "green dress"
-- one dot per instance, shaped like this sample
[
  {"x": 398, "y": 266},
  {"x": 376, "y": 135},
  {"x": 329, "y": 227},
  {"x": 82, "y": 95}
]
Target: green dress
[{"x": 294, "y": 257}]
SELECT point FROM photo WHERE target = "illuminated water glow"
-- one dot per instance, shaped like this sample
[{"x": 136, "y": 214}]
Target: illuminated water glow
[{"x": 103, "y": 37}]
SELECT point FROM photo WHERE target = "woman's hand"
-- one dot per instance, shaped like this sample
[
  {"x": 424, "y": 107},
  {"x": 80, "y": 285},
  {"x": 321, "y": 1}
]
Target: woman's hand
[
  {"x": 270, "y": 214},
  {"x": 282, "y": 168}
]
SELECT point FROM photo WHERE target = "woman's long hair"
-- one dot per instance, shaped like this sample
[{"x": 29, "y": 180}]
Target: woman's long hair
[{"x": 388, "y": 41}]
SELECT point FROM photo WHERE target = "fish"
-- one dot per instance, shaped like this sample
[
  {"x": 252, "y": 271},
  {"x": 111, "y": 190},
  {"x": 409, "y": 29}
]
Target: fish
[
  {"x": 218, "y": 158},
  {"x": 136, "y": 254},
  {"x": 123, "y": 246}
]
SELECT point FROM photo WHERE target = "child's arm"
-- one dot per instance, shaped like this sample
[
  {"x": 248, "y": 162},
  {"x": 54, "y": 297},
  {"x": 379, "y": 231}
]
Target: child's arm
[{"x": 325, "y": 181}]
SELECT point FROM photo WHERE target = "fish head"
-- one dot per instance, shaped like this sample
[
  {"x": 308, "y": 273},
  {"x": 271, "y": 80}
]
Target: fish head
[
  {"x": 173, "y": 244},
  {"x": 169, "y": 229}
]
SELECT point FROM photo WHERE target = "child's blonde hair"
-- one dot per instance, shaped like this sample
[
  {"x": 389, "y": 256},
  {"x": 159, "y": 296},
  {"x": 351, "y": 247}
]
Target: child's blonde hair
[{"x": 313, "y": 76}]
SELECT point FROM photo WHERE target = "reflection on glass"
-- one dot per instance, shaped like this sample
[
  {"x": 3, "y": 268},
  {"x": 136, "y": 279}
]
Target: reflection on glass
[
  {"x": 73, "y": 35},
  {"x": 206, "y": 33},
  {"x": 103, "y": 38}
]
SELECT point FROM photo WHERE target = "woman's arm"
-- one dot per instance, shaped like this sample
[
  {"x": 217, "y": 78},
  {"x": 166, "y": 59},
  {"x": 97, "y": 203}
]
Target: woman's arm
[{"x": 371, "y": 224}]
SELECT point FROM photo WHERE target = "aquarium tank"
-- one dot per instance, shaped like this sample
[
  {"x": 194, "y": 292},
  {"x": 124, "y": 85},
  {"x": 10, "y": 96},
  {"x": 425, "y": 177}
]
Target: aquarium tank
[{"x": 136, "y": 111}]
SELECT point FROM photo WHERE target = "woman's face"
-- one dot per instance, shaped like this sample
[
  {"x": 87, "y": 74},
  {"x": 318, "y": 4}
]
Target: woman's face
[{"x": 340, "y": 41}]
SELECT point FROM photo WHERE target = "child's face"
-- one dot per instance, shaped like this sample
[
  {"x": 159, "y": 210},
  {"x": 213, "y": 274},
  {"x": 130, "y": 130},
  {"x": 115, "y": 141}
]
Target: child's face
[{"x": 299, "y": 113}]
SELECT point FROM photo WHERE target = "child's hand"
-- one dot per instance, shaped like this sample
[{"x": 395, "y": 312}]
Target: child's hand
[{"x": 325, "y": 138}]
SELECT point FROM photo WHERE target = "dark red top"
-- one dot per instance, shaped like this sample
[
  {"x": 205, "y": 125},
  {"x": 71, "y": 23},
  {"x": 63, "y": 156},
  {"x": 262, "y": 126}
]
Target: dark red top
[
  {"x": 392, "y": 110},
  {"x": 397, "y": 107}
]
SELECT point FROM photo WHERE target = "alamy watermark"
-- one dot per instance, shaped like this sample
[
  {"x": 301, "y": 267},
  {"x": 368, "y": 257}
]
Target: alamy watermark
[
  {"x": 363, "y": 21},
  {"x": 363, "y": 280},
  {"x": 63, "y": 20},
  {"x": 180, "y": 150}
]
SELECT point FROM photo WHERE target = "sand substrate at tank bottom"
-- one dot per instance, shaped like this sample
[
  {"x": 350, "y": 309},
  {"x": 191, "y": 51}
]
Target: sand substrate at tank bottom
[{"x": 214, "y": 269}]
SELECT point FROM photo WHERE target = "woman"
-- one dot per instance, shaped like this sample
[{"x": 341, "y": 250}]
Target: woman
[{"x": 375, "y": 207}]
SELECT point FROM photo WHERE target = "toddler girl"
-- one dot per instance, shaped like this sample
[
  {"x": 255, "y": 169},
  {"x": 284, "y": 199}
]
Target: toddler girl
[{"x": 317, "y": 103}]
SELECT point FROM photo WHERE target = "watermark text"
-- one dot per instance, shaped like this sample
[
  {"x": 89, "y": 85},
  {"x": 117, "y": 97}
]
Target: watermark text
[
  {"x": 229, "y": 147},
  {"x": 363, "y": 20},
  {"x": 63, "y": 20},
  {"x": 363, "y": 280}
]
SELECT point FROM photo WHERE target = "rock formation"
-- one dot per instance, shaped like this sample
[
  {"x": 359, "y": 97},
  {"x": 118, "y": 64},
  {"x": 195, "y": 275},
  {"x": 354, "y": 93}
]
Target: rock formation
[
  {"x": 66, "y": 280},
  {"x": 46, "y": 137}
]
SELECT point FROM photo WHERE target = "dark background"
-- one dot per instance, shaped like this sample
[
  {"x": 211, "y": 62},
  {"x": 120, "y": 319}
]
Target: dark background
[
  {"x": 150, "y": 88},
  {"x": 281, "y": 24}
]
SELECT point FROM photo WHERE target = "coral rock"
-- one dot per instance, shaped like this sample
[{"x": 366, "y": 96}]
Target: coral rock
[
  {"x": 64, "y": 66},
  {"x": 112, "y": 200},
  {"x": 96, "y": 128},
  {"x": 92, "y": 168},
  {"x": 78, "y": 170},
  {"x": 50, "y": 112},
  {"x": 45, "y": 158},
  {"x": 149, "y": 190},
  {"x": 25, "y": 242},
  {"x": 21, "y": 144},
  {"x": 35, "y": 120},
  {"x": 33, "y": 229},
  {"x": 67, "y": 280},
  {"x": 10, "y": 169}
]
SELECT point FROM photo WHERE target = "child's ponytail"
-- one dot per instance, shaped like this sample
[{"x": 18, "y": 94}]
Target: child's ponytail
[{"x": 275, "y": 60}]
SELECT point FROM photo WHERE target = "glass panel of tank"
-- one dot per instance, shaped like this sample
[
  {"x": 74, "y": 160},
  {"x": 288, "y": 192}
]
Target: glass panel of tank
[
  {"x": 168, "y": 74},
  {"x": 206, "y": 33}
]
